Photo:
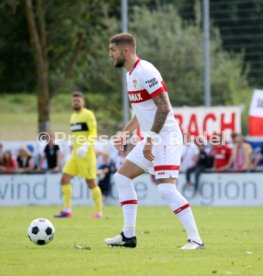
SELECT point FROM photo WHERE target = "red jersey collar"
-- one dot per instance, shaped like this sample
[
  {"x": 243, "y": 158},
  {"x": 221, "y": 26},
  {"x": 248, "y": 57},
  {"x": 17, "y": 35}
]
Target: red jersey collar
[{"x": 134, "y": 65}]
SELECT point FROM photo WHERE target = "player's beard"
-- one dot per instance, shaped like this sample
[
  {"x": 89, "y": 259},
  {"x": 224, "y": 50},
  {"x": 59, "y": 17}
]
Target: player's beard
[
  {"x": 120, "y": 62},
  {"x": 76, "y": 108}
]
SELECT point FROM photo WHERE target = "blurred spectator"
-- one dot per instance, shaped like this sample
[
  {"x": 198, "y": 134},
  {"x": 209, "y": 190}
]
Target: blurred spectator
[
  {"x": 241, "y": 158},
  {"x": 8, "y": 164},
  {"x": 1, "y": 154},
  {"x": 104, "y": 175},
  {"x": 258, "y": 158},
  {"x": 249, "y": 153},
  {"x": 233, "y": 136},
  {"x": 52, "y": 155},
  {"x": 198, "y": 168},
  {"x": 190, "y": 153},
  {"x": 25, "y": 160},
  {"x": 222, "y": 155}
]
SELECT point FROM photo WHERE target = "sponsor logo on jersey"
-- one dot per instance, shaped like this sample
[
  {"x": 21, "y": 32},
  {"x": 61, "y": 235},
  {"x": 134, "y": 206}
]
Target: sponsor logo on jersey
[
  {"x": 152, "y": 82},
  {"x": 75, "y": 127},
  {"x": 139, "y": 96},
  {"x": 135, "y": 97},
  {"x": 79, "y": 127}
]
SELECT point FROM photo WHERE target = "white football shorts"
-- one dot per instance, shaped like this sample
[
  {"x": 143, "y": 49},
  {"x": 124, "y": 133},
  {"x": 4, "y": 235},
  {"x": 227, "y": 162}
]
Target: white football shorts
[{"x": 167, "y": 159}]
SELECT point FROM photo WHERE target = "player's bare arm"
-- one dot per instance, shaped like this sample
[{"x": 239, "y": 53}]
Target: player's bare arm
[
  {"x": 123, "y": 136},
  {"x": 163, "y": 108},
  {"x": 132, "y": 125}
]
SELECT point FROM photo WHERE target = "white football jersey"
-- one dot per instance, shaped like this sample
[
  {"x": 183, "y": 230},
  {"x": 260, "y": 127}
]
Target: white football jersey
[{"x": 144, "y": 82}]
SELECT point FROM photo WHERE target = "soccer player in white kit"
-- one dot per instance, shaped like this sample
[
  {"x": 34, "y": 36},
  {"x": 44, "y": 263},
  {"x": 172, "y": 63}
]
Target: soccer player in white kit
[{"x": 161, "y": 149}]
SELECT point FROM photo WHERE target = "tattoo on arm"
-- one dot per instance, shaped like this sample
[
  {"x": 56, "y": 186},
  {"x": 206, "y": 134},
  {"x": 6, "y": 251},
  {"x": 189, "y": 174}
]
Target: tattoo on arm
[{"x": 163, "y": 108}]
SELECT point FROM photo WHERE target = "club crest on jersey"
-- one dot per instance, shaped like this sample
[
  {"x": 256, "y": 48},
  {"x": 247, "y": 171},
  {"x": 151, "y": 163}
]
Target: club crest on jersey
[
  {"x": 135, "y": 97},
  {"x": 135, "y": 84}
]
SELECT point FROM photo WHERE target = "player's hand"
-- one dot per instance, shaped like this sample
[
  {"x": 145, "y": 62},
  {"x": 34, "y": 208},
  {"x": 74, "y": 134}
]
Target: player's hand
[
  {"x": 118, "y": 143},
  {"x": 82, "y": 150},
  {"x": 147, "y": 150},
  {"x": 120, "y": 140}
]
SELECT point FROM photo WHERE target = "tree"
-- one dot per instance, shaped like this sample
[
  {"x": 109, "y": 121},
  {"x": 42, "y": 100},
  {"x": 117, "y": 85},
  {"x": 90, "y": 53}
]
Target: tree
[
  {"x": 16, "y": 63},
  {"x": 241, "y": 26},
  {"x": 38, "y": 39},
  {"x": 59, "y": 32}
]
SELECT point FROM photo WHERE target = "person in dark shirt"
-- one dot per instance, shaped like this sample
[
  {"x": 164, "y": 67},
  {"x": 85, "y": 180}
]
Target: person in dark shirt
[
  {"x": 198, "y": 168},
  {"x": 258, "y": 159},
  {"x": 52, "y": 155},
  {"x": 104, "y": 175}
]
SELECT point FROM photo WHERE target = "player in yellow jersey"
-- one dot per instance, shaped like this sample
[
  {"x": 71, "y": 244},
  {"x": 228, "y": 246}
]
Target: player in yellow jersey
[{"x": 83, "y": 158}]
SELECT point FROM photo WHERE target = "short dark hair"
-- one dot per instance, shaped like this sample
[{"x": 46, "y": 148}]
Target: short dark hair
[
  {"x": 78, "y": 94},
  {"x": 124, "y": 38}
]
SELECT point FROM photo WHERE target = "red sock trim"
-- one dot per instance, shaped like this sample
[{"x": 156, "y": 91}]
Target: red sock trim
[
  {"x": 134, "y": 201},
  {"x": 177, "y": 211}
]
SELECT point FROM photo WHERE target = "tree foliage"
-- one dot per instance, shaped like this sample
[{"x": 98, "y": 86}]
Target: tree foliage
[
  {"x": 241, "y": 30},
  {"x": 59, "y": 32},
  {"x": 16, "y": 63}
]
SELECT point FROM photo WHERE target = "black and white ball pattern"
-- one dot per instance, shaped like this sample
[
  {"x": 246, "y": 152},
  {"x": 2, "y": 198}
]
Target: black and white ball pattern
[{"x": 41, "y": 231}]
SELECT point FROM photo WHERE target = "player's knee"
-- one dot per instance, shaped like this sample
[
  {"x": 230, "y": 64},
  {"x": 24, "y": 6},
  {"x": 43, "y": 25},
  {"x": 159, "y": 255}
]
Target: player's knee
[
  {"x": 65, "y": 179},
  {"x": 63, "y": 182},
  {"x": 117, "y": 178},
  {"x": 121, "y": 180}
]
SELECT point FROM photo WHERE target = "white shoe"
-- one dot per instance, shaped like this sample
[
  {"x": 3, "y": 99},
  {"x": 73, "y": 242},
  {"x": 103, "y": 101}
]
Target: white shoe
[
  {"x": 121, "y": 240},
  {"x": 192, "y": 245}
]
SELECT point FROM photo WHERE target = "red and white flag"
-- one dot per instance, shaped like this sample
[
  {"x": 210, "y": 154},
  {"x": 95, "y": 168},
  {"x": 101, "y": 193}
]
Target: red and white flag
[{"x": 255, "y": 122}]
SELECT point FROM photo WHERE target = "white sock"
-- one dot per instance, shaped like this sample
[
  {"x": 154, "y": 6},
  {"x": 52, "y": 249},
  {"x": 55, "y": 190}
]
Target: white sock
[
  {"x": 181, "y": 208},
  {"x": 129, "y": 203}
]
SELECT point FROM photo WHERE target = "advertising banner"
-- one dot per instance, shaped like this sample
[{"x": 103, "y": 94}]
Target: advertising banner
[
  {"x": 206, "y": 121},
  {"x": 215, "y": 119},
  {"x": 224, "y": 189}
]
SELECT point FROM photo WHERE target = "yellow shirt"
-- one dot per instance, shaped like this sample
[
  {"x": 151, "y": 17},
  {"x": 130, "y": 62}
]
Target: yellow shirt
[{"x": 83, "y": 126}]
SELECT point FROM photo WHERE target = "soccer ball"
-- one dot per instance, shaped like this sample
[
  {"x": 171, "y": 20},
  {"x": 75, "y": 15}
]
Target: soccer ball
[{"x": 41, "y": 231}]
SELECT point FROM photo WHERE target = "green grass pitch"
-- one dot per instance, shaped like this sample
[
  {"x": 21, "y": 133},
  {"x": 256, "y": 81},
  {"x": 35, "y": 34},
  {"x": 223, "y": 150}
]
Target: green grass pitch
[{"x": 233, "y": 237}]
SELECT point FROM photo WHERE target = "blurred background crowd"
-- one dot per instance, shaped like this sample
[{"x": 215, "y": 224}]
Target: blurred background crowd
[{"x": 235, "y": 155}]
